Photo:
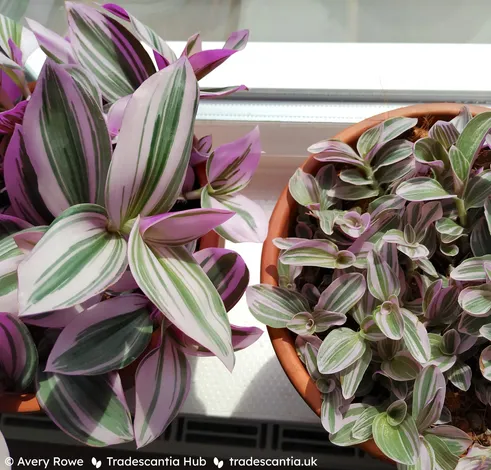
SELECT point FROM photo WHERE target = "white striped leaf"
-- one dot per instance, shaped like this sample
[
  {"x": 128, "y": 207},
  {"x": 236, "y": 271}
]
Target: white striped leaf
[
  {"x": 355, "y": 177},
  {"x": 331, "y": 416},
  {"x": 370, "y": 331},
  {"x": 422, "y": 189},
  {"x": 231, "y": 166},
  {"x": 456, "y": 440},
  {"x": 428, "y": 384},
  {"x": 19, "y": 356},
  {"x": 445, "y": 133},
  {"x": 340, "y": 349},
  {"x": 61, "y": 107},
  {"x": 162, "y": 384},
  {"x": 21, "y": 182},
  {"x": 104, "y": 46},
  {"x": 476, "y": 300},
  {"x": 106, "y": 337},
  {"x": 335, "y": 151},
  {"x": 249, "y": 223},
  {"x": 426, "y": 459},
  {"x": 324, "y": 320},
  {"x": 416, "y": 337},
  {"x": 143, "y": 32},
  {"x": 473, "y": 137},
  {"x": 431, "y": 152},
  {"x": 344, "y": 436},
  {"x": 227, "y": 271},
  {"x": 400, "y": 443},
  {"x": 304, "y": 188},
  {"x": 462, "y": 119},
  {"x": 460, "y": 168},
  {"x": 9, "y": 29},
  {"x": 426, "y": 266},
  {"x": 146, "y": 174},
  {"x": 443, "y": 361},
  {"x": 363, "y": 425},
  {"x": 460, "y": 375},
  {"x": 444, "y": 459},
  {"x": 369, "y": 140},
  {"x": 172, "y": 279},
  {"x": 389, "y": 318},
  {"x": 90, "y": 409},
  {"x": 53, "y": 45},
  {"x": 392, "y": 152},
  {"x": 275, "y": 306},
  {"x": 352, "y": 376},
  {"x": 402, "y": 367},
  {"x": 343, "y": 293},
  {"x": 471, "y": 325},
  {"x": 478, "y": 190},
  {"x": 471, "y": 269},
  {"x": 75, "y": 260},
  {"x": 395, "y": 172},
  {"x": 286, "y": 243},
  {"x": 448, "y": 226},
  {"x": 302, "y": 324},
  {"x": 381, "y": 280},
  {"x": 396, "y": 126},
  {"x": 10, "y": 258},
  {"x": 485, "y": 363}
]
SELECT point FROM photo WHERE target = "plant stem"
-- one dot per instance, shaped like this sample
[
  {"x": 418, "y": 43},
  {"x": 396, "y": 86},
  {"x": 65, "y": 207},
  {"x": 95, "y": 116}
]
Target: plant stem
[
  {"x": 196, "y": 194},
  {"x": 462, "y": 212}
]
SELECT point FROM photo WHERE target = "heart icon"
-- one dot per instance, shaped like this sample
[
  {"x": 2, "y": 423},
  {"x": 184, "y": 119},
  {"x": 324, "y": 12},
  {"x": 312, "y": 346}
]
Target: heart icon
[
  {"x": 218, "y": 463},
  {"x": 96, "y": 463}
]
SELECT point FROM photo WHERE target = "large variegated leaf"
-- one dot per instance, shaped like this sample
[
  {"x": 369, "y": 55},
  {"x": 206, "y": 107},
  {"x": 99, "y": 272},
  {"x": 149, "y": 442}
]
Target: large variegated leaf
[
  {"x": 143, "y": 32},
  {"x": 231, "y": 166},
  {"x": 416, "y": 337},
  {"x": 460, "y": 375},
  {"x": 180, "y": 228},
  {"x": 485, "y": 363},
  {"x": 18, "y": 353},
  {"x": 227, "y": 271},
  {"x": 473, "y": 137},
  {"x": 61, "y": 107},
  {"x": 381, "y": 280},
  {"x": 445, "y": 133},
  {"x": 460, "y": 168},
  {"x": 429, "y": 383},
  {"x": 106, "y": 337},
  {"x": 146, "y": 174},
  {"x": 343, "y": 293},
  {"x": 344, "y": 437},
  {"x": 21, "y": 182},
  {"x": 391, "y": 153},
  {"x": 331, "y": 416},
  {"x": 363, "y": 426},
  {"x": 402, "y": 367},
  {"x": 401, "y": 442},
  {"x": 444, "y": 459},
  {"x": 172, "y": 279},
  {"x": 478, "y": 190},
  {"x": 340, "y": 349},
  {"x": 104, "y": 46},
  {"x": 162, "y": 385},
  {"x": 52, "y": 44},
  {"x": 369, "y": 140},
  {"x": 249, "y": 223},
  {"x": 456, "y": 440},
  {"x": 422, "y": 189},
  {"x": 476, "y": 300},
  {"x": 304, "y": 188},
  {"x": 471, "y": 269},
  {"x": 352, "y": 376},
  {"x": 389, "y": 318},
  {"x": 275, "y": 306},
  {"x": 91, "y": 409},
  {"x": 335, "y": 151},
  {"x": 76, "y": 259}
]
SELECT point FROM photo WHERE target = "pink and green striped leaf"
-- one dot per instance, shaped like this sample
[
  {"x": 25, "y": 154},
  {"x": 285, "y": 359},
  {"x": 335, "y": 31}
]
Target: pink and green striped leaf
[
  {"x": 460, "y": 375},
  {"x": 302, "y": 324},
  {"x": 456, "y": 440},
  {"x": 344, "y": 437},
  {"x": 402, "y": 367},
  {"x": 478, "y": 458},
  {"x": 304, "y": 188},
  {"x": 400, "y": 443},
  {"x": 249, "y": 223},
  {"x": 363, "y": 426},
  {"x": 445, "y": 133},
  {"x": 437, "y": 357},
  {"x": 146, "y": 174},
  {"x": 162, "y": 382},
  {"x": 61, "y": 107},
  {"x": 75, "y": 260},
  {"x": 18, "y": 353},
  {"x": 462, "y": 119},
  {"x": 21, "y": 182},
  {"x": 471, "y": 269},
  {"x": 422, "y": 189},
  {"x": 444, "y": 459},
  {"x": 193, "y": 45},
  {"x": 460, "y": 168},
  {"x": 478, "y": 190},
  {"x": 382, "y": 282},
  {"x": 352, "y": 376},
  {"x": 389, "y": 318},
  {"x": 485, "y": 363},
  {"x": 331, "y": 416},
  {"x": 275, "y": 306},
  {"x": 231, "y": 166},
  {"x": 342, "y": 294},
  {"x": 369, "y": 140},
  {"x": 431, "y": 152},
  {"x": 111, "y": 52},
  {"x": 335, "y": 151},
  {"x": 90, "y": 409},
  {"x": 426, "y": 460},
  {"x": 341, "y": 348},
  {"x": 180, "y": 228},
  {"x": 173, "y": 280},
  {"x": 391, "y": 153},
  {"x": 227, "y": 271},
  {"x": 476, "y": 300},
  {"x": 106, "y": 337},
  {"x": 429, "y": 383},
  {"x": 416, "y": 337}
]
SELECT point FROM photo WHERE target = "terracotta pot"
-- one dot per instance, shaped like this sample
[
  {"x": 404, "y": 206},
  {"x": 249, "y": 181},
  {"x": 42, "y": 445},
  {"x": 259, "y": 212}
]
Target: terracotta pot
[
  {"x": 27, "y": 403},
  {"x": 279, "y": 226}
]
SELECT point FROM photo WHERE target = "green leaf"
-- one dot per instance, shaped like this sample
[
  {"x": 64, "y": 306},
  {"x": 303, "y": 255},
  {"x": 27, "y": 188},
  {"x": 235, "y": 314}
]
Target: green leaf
[
  {"x": 369, "y": 139},
  {"x": 460, "y": 375},
  {"x": 478, "y": 190},
  {"x": 444, "y": 459},
  {"x": 427, "y": 385},
  {"x": 392, "y": 152},
  {"x": 355, "y": 177},
  {"x": 363, "y": 425},
  {"x": 352, "y": 376},
  {"x": 344, "y": 437},
  {"x": 431, "y": 152},
  {"x": 343, "y": 293},
  {"x": 422, "y": 189},
  {"x": 400, "y": 443},
  {"x": 460, "y": 167},
  {"x": 402, "y": 367},
  {"x": 381, "y": 280},
  {"x": 303, "y": 188}
]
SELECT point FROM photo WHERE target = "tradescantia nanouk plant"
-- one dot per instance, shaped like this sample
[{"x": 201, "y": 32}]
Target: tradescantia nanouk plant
[
  {"x": 386, "y": 281},
  {"x": 104, "y": 289}
]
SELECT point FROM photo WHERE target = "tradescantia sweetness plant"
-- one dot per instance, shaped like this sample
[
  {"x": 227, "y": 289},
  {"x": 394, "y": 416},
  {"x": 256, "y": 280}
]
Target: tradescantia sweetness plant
[
  {"x": 104, "y": 289},
  {"x": 386, "y": 281}
]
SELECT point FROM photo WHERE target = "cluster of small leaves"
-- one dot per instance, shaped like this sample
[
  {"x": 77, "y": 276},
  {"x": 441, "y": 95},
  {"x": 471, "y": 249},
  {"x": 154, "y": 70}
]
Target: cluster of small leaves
[
  {"x": 104, "y": 289},
  {"x": 386, "y": 281}
]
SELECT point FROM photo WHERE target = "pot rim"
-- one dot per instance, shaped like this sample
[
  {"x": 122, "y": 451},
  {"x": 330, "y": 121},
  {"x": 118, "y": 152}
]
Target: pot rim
[{"x": 283, "y": 340}]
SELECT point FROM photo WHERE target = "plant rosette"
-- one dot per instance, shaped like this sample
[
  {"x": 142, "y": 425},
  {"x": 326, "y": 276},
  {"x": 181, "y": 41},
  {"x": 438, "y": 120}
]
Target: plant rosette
[
  {"x": 376, "y": 278},
  {"x": 111, "y": 276}
]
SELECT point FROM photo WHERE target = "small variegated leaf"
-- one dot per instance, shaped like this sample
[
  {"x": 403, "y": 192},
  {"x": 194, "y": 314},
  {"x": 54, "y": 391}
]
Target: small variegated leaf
[
  {"x": 478, "y": 458},
  {"x": 370, "y": 330},
  {"x": 340, "y": 349},
  {"x": 401, "y": 367},
  {"x": 460, "y": 375},
  {"x": 335, "y": 151},
  {"x": 443, "y": 361},
  {"x": 478, "y": 190},
  {"x": 389, "y": 319},
  {"x": 428, "y": 382},
  {"x": 303, "y": 188},
  {"x": 422, "y": 189},
  {"x": 395, "y": 172},
  {"x": 391, "y": 153},
  {"x": 355, "y": 177},
  {"x": 460, "y": 168},
  {"x": 381, "y": 280},
  {"x": 471, "y": 325},
  {"x": 476, "y": 300},
  {"x": 342, "y": 294},
  {"x": 363, "y": 425},
  {"x": 352, "y": 376},
  {"x": 331, "y": 416},
  {"x": 430, "y": 152},
  {"x": 471, "y": 269},
  {"x": 350, "y": 192},
  {"x": 462, "y": 119},
  {"x": 445, "y": 133},
  {"x": 344, "y": 436},
  {"x": 369, "y": 139},
  {"x": 444, "y": 459},
  {"x": 485, "y": 363},
  {"x": 416, "y": 337},
  {"x": 456, "y": 440}
]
